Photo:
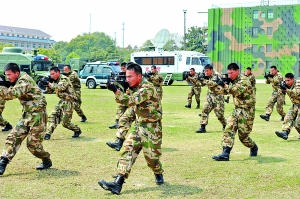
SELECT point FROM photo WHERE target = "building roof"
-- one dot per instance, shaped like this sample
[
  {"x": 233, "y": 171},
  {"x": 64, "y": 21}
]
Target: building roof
[{"x": 25, "y": 31}]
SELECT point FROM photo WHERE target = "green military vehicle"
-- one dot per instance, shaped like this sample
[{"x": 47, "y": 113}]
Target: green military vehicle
[
  {"x": 77, "y": 64},
  {"x": 36, "y": 65}
]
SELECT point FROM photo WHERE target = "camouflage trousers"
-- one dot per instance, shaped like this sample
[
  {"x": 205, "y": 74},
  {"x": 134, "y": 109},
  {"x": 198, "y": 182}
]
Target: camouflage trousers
[
  {"x": 159, "y": 91},
  {"x": 241, "y": 120},
  {"x": 32, "y": 126},
  {"x": 77, "y": 105},
  {"x": 125, "y": 123},
  {"x": 62, "y": 112},
  {"x": 279, "y": 98},
  {"x": 216, "y": 103},
  {"x": 3, "y": 122},
  {"x": 146, "y": 137},
  {"x": 120, "y": 111},
  {"x": 292, "y": 118},
  {"x": 194, "y": 91}
]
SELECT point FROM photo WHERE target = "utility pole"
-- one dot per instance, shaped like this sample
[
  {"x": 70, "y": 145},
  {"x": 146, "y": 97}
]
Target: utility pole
[
  {"x": 123, "y": 34},
  {"x": 184, "y": 12}
]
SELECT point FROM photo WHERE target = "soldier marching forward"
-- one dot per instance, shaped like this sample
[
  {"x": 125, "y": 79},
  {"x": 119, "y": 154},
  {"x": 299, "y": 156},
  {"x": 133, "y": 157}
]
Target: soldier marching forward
[
  {"x": 274, "y": 78},
  {"x": 34, "y": 117},
  {"x": 214, "y": 101},
  {"x": 64, "y": 109},
  {"x": 72, "y": 75},
  {"x": 292, "y": 118},
  {"x": 156, "y": 79},
  {"x": 147, "y": 134},
  {"x": 241, "y": 118},
  {"x": 195, "y": 89}
]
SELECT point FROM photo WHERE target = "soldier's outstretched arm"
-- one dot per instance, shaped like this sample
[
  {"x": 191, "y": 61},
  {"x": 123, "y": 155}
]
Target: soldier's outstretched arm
[
  {"x": 15, "y": 91},
  {"x": 62, "y": 85},
  {"x": 136, "y": 98}
]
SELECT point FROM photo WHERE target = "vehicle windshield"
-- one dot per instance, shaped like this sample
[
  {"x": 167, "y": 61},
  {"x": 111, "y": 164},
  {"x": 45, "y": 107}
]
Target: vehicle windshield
[
  {"x": 42, "y": 66},
  {"x": 205, "y": 61},
  {"x": 116, "y": 69}
]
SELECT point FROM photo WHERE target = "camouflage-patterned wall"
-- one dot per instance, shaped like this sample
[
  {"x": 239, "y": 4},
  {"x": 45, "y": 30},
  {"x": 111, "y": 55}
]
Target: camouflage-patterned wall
[{"x": 256, "y": 37}]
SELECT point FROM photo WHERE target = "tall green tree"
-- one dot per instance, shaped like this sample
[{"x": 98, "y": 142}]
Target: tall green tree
[{"x": 195, "y": 37}]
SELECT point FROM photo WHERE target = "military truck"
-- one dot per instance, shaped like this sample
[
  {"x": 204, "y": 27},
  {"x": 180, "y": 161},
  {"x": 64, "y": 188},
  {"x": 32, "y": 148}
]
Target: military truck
[
  {"x": 77, "y": 64},
  {"x": 36, "y": 65}
]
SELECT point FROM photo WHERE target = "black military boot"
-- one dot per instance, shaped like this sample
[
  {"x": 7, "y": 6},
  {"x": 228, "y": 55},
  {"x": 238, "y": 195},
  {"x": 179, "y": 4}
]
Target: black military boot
[
  {"x": 159, "y": 179},
  {"x": 114, "y": 126},
  {"x": 284, "y": 134},
  {"x": 116, "y": 145},
  {"x": 83, "y": 119},
  {"x": 115, "y": 187},
  {"x": 299, "y": 137},
  {"x": 198, "y": 106},
  {"x": 76, "y": 134},
  {"x": 265, "y": 117},
  {"x": 224, "y": 156},
  {"x": 7, "y": 127},
  {"x": 223, "y": 128},
  {"x": 200, "y": 114},
  {"x": 188, "y": 106},
  {"x": 226, "y": 100},
  {"x": 201, "y": 129},
  {"x": 47, "y": 137},
  {"x": 46, "y": 164},
  {"x": 282, "y": 119},
  {"x": 253, "y": 150},
  {"x": 3, "y": 162}
]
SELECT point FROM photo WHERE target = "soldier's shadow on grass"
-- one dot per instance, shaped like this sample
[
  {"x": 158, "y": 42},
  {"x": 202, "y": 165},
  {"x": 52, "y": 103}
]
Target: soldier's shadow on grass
[
  {"x": 266, "y": 159},
  {"x": 56, "y": 173},
  {"x": 168, "y": 190}
]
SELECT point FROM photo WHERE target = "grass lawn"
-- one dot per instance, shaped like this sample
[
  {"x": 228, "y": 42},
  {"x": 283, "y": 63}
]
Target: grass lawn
[{"x": 190, "y": 171}]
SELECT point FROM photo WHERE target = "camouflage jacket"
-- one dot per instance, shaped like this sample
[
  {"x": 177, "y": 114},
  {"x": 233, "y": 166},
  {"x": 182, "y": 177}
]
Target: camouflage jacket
[
  {"x": 193, "y": 80},
  {"x": 26, "y": 90},
  {"x": 156, "y": 79},
  {"x": 294, "y": 92},
  {"x": 63, "y": 88},
  {"x": 275, "y": 81},
  {"x": 213, "y": 88},
  {"x": 144, "y": 101},
  {"x": 242, "y": 92},
  {"x": 252, "y": 80},
  {"x": 72, "y": 75}
]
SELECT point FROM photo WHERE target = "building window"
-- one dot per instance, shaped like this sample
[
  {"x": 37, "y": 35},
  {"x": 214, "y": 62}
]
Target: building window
[
  {"x": 255, "y": 14},
  {"x": 28, "y": 45},
  {"x": 254, "y": 48},
  {"x": 45, "y": 45},
  {"x": 33, "y": 45},
  {"x": 263, "y": 15},
  {"x": 22, "y": 44},
  {"x": 269, "y": 47},
  {"x": 269, "y": 30},
  {"x": 40, "y": 45},
  {"x": 270, "y": 14},
  {"x": 268, "y": 64},
  {"x": 18, "y": 35},
  {"x": 255, "y": 31},
  {"x": 262, "y": 49},
  {"x": 16, "y": 43}
]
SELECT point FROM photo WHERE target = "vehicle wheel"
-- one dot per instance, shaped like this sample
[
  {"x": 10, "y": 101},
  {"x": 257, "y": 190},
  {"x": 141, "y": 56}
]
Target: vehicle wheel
[
  {"x": 91, "y": 84},
  {"x": 170, "y": 82},
  {"x": 103, "y": 87}
]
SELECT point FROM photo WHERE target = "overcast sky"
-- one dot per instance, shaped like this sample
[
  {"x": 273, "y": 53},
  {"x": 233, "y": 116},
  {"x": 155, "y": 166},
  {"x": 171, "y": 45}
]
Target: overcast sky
[{"x": 65, "y": 19}]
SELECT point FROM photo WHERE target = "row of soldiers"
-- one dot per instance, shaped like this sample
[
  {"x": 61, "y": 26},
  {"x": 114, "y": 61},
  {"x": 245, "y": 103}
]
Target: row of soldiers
[{"x": 35, "y": 124}]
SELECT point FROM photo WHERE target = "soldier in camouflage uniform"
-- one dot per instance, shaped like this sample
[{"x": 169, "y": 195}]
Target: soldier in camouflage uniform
[
  {"x": 34, "y": 117},
  {"x": 251, "y": 77},
  {"x": 292, "y": 118},
  {"x": 274, "y": 78},
  {"x": 72, "y": 75},
  {"x": 147, "y": 134},
  {"x": 64, "y": 109},
  {"x": 121, "y": 108},
  {"x": 156, "y": 79},
  {"x": 214, "y": 101},
  {"x": 4, "y": 122},
  {"x": 195, "y": 89},
  {"x": 241, "y": 119}
]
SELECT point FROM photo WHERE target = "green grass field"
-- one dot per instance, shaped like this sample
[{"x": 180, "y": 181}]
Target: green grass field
[{"x": 190, "y": 171}]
